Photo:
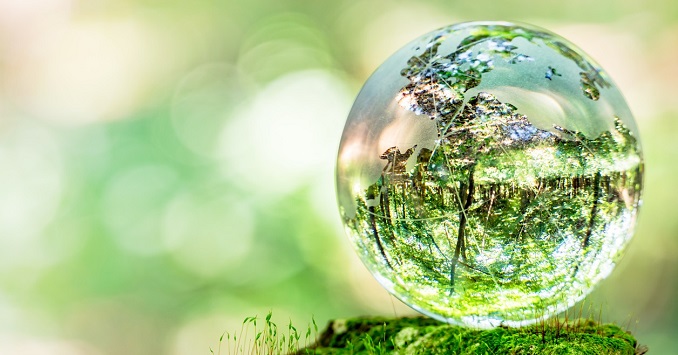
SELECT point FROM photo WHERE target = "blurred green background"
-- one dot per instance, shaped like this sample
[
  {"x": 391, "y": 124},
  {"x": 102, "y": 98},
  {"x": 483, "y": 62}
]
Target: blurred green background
[{"x": 167, "y": 166}]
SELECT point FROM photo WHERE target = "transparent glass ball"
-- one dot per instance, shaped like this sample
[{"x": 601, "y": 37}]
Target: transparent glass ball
[{"x": 489, "y": 174}]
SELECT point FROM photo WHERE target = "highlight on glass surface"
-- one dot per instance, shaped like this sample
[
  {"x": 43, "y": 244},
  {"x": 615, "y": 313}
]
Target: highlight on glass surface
[{"x": 489, "y": 174}]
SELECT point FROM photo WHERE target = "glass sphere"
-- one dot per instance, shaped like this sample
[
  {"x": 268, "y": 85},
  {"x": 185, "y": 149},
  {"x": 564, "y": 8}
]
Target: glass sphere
[{"x": 489, "y": 174}]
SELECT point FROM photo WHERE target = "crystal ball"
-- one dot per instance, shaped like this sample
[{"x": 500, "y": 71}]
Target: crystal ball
[{"x": 489, "y": 174}]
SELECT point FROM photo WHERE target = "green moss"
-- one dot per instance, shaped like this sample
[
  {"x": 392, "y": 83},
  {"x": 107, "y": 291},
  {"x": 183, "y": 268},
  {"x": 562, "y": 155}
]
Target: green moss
[{"x": 426, "y": 336}]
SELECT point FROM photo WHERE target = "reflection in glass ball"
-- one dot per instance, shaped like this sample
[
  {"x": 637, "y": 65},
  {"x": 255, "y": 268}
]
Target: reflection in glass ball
[{"x": 489, "y": 174}]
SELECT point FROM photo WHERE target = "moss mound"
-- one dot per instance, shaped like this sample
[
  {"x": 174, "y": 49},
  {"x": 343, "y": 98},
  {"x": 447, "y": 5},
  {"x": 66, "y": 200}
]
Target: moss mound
[{"x": 421, "y": 335}]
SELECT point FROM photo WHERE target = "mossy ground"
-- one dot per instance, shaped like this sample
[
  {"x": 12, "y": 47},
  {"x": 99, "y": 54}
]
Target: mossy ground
[{"x": 427, "y": 336}]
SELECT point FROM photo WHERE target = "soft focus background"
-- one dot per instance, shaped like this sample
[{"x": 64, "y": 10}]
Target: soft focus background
[{"x": 167, "y": 166}]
